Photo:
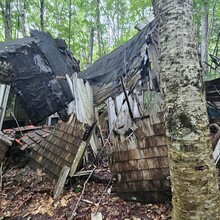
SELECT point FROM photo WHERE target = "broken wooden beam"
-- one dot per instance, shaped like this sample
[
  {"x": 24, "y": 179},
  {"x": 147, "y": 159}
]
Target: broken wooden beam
[{"x": 58, "y": 189}]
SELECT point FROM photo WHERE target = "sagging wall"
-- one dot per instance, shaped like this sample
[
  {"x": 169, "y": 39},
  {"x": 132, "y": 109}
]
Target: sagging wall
[
  {"x": 82, "y": 105},
  {"x": 139, "y": 155},
  {"x": 35, "y": 67}
]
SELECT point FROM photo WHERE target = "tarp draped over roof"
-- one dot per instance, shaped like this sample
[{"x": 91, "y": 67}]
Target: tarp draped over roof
[
  {"x": 37, "y": 65},
  {"x": 129, "y": 61},
  {"x": 136, "y": 62}
]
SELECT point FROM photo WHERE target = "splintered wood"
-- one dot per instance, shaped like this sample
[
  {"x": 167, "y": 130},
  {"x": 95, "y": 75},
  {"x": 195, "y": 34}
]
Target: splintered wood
[{"x": 139, "y": 159}]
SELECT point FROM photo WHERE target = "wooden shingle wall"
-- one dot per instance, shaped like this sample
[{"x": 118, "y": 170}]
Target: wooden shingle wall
[
  {"x": 59, "y": 148},
  {"x": 140, "y": 161},
  {"x": 32, "y": 138}
]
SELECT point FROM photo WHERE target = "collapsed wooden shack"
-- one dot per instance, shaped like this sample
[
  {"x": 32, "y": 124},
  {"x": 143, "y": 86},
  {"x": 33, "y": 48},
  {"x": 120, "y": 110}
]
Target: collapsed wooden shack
[
  {"x": 127, "y": 80},
  {"x": 35, "y": 67},
  {"x": 39, "y": 68},
  {"x": 121, "y": 79}
]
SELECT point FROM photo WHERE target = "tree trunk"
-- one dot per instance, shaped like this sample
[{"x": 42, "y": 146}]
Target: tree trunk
[
  {"x": 70, "y": 22},
  {"x": 6, "y": 15},
  {"x": 91, "y": 42},
  {"x": 22, "y": 16},
  {"x": 192, "y": 170},
  {"x": 8, "y": 31},
  {"x": 98, "y": 24},
  {"x": 42, "y": 15},
  {"x": 204, "y": 36},
  {"x": 212, "y": 19}
]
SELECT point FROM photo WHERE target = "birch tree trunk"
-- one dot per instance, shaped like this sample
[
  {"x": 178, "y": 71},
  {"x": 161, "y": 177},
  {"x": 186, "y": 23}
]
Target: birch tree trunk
[
  {"x": 204, "y": 36},
  {"x": 192, "y": 170}
]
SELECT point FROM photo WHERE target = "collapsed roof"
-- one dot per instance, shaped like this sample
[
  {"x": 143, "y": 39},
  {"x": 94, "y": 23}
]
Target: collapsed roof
[
  {"x": 35, "y": 67},
  {"x": 136, "y": 62},
  {"x": 132, "y": 61}
]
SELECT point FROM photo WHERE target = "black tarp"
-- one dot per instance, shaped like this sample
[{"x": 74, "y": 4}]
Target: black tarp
[
  {"x": 124, "y": 62},
  {"x": 38, "y": 67}
]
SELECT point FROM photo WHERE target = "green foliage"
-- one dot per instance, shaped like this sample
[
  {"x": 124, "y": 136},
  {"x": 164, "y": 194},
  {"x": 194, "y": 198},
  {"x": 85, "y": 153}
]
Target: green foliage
[
  {"x": 117, "y": 21},
  {"x": 213, "y": 7}
]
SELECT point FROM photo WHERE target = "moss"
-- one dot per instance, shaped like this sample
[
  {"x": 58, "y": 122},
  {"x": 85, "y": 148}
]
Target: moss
[
  {"x": 185, "y": 121},
  {"x": 170, "y": 124}
]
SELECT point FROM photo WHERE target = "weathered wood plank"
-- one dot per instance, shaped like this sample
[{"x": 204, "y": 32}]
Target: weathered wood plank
[
  {"x": 78, "y": 158},
  {"x": 60, "y": 183},
  {"x": 216, "y": 143}
]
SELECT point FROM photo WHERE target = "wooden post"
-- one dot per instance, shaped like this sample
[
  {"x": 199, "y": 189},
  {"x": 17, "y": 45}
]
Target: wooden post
[
  {"x": 60, "y": 183},
  {"x": 78, "y": 158}
]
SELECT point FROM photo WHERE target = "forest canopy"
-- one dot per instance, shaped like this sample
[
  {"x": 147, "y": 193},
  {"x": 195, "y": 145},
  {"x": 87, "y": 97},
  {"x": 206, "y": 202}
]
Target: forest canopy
[{"x": 92, "y": 28}]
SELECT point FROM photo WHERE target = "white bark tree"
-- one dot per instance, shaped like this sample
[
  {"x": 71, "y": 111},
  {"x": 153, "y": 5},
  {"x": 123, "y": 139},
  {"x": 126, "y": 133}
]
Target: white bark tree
[{"x": 193, "y": 173}]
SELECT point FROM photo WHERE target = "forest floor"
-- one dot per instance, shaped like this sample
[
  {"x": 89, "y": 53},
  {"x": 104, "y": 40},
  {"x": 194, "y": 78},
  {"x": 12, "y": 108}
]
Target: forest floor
[
  {"x": 28, "y": 195},
  {"x": 23, "y": 196}
]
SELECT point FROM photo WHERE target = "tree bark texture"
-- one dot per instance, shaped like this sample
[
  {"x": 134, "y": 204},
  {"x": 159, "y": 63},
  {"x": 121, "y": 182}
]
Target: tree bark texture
[
  {"x": 6, "y": 15},
  {"x": 98, "y": 24},
  {"x": 7, "y": 21},
  {"x": 192, "y": 169},
  {"x": 204, "y": 36},
  {"x": 70, "y": 22},
  {"x": 22, "y": 16},
  {"x": 42, "y": 15},
  {"x": 91, "y": 43}
]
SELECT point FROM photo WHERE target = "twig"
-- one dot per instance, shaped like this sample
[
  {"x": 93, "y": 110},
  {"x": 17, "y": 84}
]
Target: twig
[
  {"x": 84, "y": 186},
  {"x": 16, "y": 121},
  {"x": 217, "y": 90},
  {"x": 8, "y": 171},
  {"x": 27, "y": 199},
  {"x": 89, "y": 202}
]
